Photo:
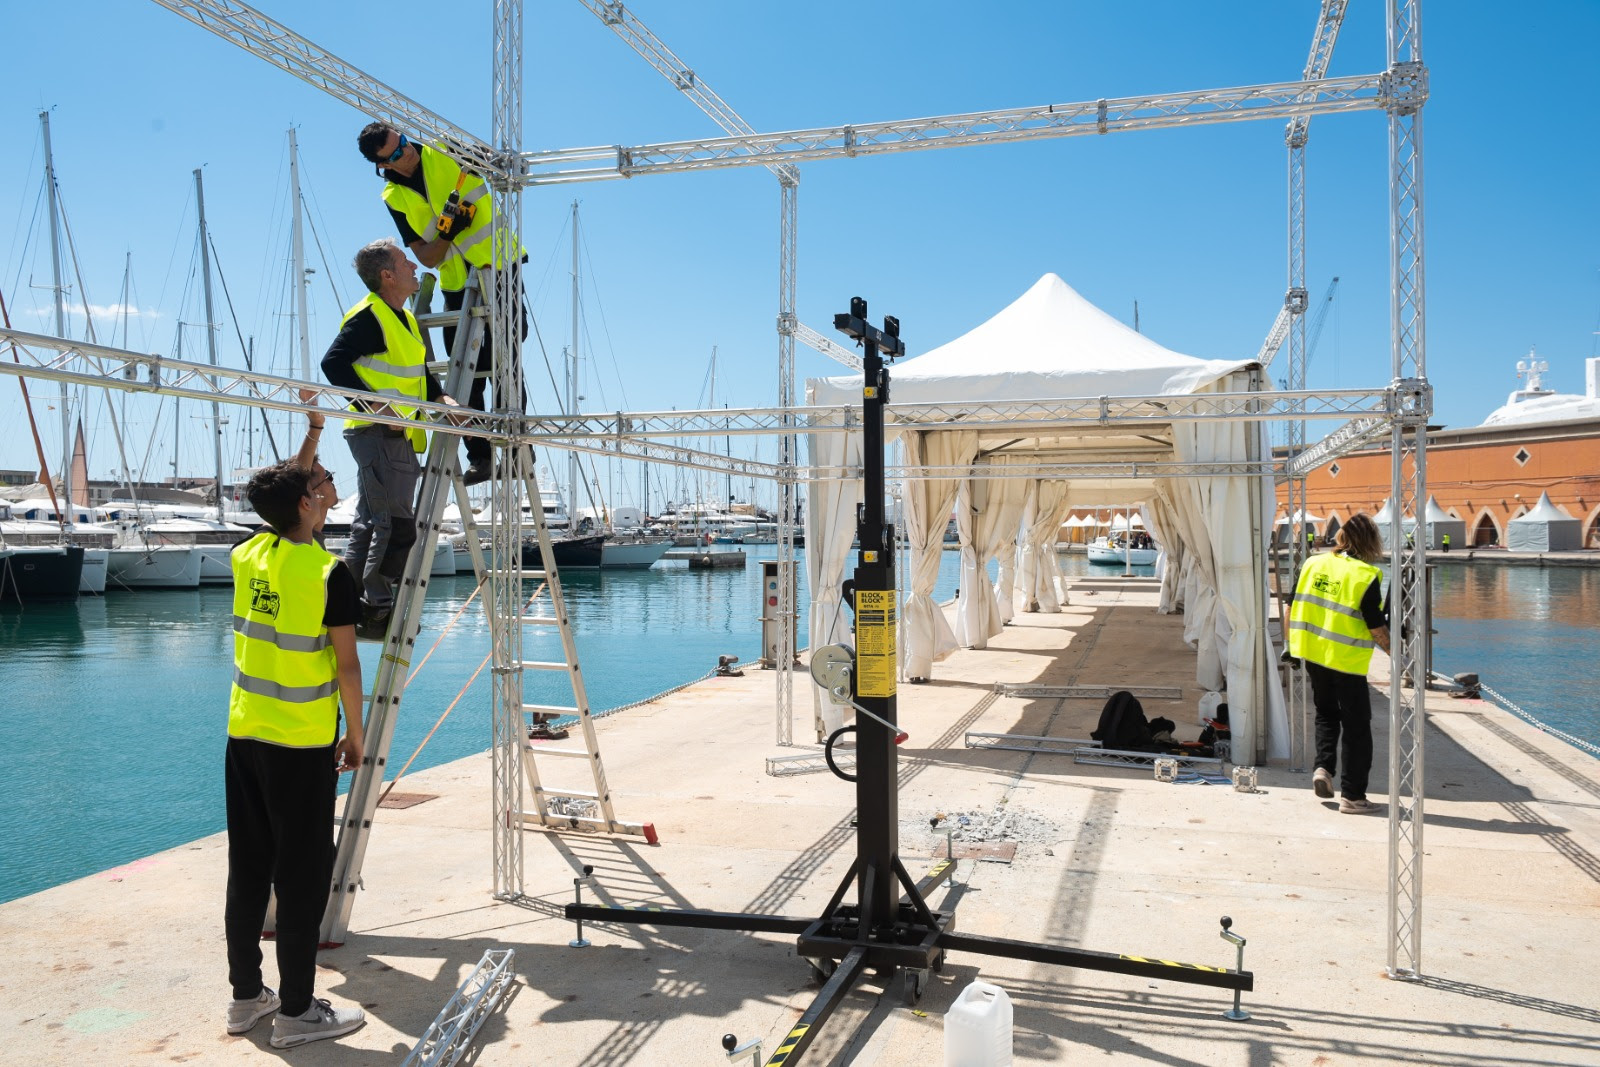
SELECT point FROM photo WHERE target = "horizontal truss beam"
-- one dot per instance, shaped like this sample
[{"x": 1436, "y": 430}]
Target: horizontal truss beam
[
  {"x": 636, "y": 436},
  {"x": 1280, "y": 100}
]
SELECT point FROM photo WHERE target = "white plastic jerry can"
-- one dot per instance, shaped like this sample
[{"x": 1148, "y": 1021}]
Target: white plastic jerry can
[{"x": 977, "y": 1028}]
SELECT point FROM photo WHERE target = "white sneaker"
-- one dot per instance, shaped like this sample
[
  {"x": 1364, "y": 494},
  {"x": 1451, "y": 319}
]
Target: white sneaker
[
  {"x": 1322, "y": 783},
  {"x": 244, "y": 1014},
  {"x": 321, "y": 1020}
]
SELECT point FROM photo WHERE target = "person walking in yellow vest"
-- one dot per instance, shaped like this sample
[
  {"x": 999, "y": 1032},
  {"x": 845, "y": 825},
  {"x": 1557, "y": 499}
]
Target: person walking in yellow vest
[
  {"x": 379, "y": 349},
  {"x": 1336, "y": 619},
  {"x": 294, "y": 665},
  {"x": 418, "y": 183}
]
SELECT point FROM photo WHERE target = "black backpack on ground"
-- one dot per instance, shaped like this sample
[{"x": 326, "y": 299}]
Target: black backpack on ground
[{"x": 1122, "y": 723}]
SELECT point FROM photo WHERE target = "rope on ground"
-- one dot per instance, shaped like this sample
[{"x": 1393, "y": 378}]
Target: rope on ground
[{"x": 1506, "y": 703}]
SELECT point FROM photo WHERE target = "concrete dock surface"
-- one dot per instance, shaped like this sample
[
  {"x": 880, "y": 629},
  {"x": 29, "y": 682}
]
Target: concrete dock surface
[{"x": 127, "y": 966}]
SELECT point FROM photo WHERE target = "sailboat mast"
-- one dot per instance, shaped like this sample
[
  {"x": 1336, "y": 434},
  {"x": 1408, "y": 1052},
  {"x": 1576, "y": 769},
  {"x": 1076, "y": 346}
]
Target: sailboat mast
[
  {"x": 298, "y": 241},
  {"x": 572, "y": 380},
  {"x": 211, "y": 333},
  {"x": 61, "y": 310}
]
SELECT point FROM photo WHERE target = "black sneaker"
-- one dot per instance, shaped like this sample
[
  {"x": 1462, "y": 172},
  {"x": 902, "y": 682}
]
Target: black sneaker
[
  {"x": 374, "y": 625},
  {"x": 478, "y": 473}
]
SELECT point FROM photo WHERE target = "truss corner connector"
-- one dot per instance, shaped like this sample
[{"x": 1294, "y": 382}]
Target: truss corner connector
[
  {"x": 1403, "y": 88},
  {"x": 1296, "y": 300},
  {"x": 786, "y": 323},
  {"x": 1411, "y": 400}
]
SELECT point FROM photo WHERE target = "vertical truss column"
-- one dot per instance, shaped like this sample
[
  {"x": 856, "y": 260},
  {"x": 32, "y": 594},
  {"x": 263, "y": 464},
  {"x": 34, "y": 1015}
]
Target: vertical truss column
[
  {"x": 1329, "y": 20},
  {"x": 788, "y": 489},
  {"x": 1295, "y": 488},
  {"x": 503, "y": 591},
  {"x": 1404, "y": 91}
]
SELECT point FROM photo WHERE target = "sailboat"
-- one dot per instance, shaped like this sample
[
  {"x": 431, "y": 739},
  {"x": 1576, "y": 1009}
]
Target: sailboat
[{"x": 605, "y": 547}]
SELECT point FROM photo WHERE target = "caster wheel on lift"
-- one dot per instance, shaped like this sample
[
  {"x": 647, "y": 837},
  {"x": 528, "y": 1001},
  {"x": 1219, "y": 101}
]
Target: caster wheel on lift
[
  {"x": 822, "y": 969},
  {"x": 913, "y": 983}
]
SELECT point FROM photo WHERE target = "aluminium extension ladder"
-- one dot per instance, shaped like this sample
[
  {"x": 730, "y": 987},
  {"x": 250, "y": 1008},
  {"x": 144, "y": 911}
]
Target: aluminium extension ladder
[{"x": 590, "y": 807}]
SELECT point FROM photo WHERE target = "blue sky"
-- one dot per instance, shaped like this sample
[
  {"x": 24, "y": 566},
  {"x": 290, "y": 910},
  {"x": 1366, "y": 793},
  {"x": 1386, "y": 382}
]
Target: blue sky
[{"x": 1188, "y": 223}]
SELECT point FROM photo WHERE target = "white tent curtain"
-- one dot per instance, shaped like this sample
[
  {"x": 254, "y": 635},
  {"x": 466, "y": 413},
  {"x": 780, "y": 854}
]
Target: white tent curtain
[
  {"x": 1158, "y": 513},
  {"x": 928, "y": 637},
  {"x": 988, "y": 515},
  {"x": 1043, "y": 514},
  {"x": 1229, "y": 625},
  {"x": 832, "y": 507}
]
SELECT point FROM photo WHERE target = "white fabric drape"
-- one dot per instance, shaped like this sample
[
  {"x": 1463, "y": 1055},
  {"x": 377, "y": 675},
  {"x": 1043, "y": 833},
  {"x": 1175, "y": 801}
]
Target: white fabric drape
[
  {"x": 1043, "y": 514},
  {"x": 1221, "y": 520},
  {"x": 928, "y": 637},
  {"x": 829, "y": 516},
  {"x": 988, "y": 514}
]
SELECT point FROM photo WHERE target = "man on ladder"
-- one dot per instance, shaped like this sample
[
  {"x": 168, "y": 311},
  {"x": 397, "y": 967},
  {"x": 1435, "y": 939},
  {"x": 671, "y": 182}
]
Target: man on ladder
[
  {"x": 379, "y": 349},
  {"x": 445, "y": 216}
]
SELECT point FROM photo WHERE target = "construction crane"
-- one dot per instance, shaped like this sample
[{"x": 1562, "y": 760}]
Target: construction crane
[{"x": 1314, "y": 330}]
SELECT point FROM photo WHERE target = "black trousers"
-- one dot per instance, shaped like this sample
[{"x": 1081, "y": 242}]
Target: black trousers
[
  {"x": 280, "y": 837},
  {"x": 479, "y": 452},
  {"x": 1344, "y": 726}
]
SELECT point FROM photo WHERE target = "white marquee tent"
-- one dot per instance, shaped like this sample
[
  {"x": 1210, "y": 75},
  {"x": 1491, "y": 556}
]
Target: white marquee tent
[
  {"x": 1544, "y": 529},
  {"x": 1047, "y": 345}
]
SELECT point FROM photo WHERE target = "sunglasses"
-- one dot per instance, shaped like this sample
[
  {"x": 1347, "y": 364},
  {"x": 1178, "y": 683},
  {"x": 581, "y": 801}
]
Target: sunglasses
[
  {"x": 327, "y": 479},
  {"x": 393, "y": 157}
]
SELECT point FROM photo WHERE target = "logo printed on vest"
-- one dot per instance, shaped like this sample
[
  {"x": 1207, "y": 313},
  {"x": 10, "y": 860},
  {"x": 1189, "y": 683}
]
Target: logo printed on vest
[
  {"x": 1326, "y": 585},
  {"x": 262, "y": 598}
]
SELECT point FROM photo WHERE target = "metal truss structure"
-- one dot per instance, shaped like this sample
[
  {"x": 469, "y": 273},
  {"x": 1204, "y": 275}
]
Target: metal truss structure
[{"x": 1400, "y": 91}]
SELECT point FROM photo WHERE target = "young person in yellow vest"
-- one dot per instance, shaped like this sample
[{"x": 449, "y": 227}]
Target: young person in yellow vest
[
  {"x": 294, "y": 665},
  {"x": 379, "y": 349},
  {"x": 1338, "y": 616},
  {"x": 418, "y": 183}
]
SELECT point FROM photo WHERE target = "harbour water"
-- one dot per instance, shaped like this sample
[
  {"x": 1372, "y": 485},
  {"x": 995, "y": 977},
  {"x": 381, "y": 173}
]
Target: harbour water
[{"x": 112, "y": 733}]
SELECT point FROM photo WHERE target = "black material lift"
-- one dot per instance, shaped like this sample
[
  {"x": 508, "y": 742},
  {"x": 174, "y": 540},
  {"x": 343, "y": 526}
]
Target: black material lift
[{"x": 889, "y": 925}]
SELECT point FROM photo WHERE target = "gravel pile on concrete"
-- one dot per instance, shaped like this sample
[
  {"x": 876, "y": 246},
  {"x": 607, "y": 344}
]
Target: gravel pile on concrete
[{"x": 1004, "y": 823}]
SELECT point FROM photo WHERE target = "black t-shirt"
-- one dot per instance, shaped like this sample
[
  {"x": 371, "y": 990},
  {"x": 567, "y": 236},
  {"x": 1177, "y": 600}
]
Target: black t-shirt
[
  {"x": 359, "y": 337},
  {"x": 408, "y": 236},
  {"x": 344, "y": 598},
  {"x": 1374, "y": 609}
]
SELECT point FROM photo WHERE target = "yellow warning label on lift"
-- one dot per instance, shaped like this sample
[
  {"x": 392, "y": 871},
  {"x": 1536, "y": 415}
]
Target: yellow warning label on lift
[{"x": 875, "y": 648}]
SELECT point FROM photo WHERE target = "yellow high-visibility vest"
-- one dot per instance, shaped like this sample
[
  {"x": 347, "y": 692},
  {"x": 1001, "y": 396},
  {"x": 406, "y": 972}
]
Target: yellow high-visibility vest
[
  {"x": 474, "y": 247},
  {"x": 285, "y": 673},
  {"x": 1325, "y": 623},
  {"x": 400, "y": 371}
]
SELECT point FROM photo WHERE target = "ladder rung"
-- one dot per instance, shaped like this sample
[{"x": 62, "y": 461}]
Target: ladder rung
[
  {"x": 573, "y": 793},
  {"x": 532, "y": 665},
  {"x": 527, "y": 576},
  {"x": 540, "y": 620},
  {"x": 547, "y": 709},
  {"x": 577, "y": 753}
]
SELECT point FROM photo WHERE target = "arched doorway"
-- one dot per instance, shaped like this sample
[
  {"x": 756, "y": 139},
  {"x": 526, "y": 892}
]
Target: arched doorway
[
  {"x": 1486, "y": 531},
  {"x": 1591, "y": 530},
  {"x": 1332, "y": 528}
]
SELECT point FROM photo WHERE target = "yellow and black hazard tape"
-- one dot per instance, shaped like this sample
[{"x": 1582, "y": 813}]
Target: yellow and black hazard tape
[
  {"x": 936, "y": 872},
  {"x": 781, "y": 1056},
  {"x": 1175, "y": 963}
]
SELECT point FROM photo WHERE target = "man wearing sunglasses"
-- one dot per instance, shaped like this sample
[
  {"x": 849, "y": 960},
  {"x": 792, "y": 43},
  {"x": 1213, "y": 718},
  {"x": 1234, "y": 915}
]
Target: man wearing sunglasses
[
  {"x": 295, "y": 664},
  {"x": 418, "y": 183}
]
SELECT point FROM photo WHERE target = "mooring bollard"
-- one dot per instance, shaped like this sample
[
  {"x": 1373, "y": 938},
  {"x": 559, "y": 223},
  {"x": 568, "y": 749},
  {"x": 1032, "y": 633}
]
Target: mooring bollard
[
  {"x": 1236, "y": 1013},
  {"x": 731, "y": 1045},
  {"x": 577, "y": 898}
]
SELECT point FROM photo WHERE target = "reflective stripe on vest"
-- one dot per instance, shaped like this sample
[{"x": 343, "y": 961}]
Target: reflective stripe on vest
[
  {"x": 473, "y": 246},
  {"x": 285, "y": 673},
  {"x": 1325, "y": 621},
  {"x": 399, "y": 372}
]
